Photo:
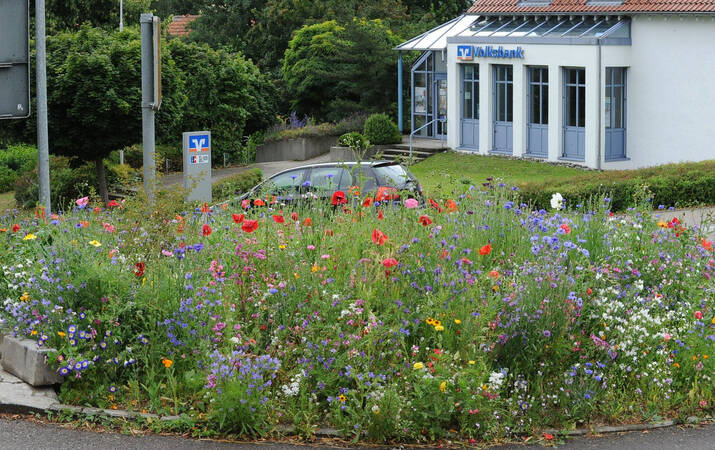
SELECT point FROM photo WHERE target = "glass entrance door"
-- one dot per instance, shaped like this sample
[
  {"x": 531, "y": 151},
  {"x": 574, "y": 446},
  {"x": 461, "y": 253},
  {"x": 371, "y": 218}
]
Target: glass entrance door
[
  {"x": 615, "y": 113},
  {"x": 503, "y": 109},
  {"x": 538, "y": 99},
  {"x": 574, "y": 113},
  {"x": 440, "y": 105}
]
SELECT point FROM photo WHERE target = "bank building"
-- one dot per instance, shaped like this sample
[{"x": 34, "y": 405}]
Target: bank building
[{"x": 606, "y": 84}]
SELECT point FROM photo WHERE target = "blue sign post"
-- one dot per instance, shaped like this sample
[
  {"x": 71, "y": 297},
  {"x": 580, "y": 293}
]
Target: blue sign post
[{"x": 197, "y": 165}]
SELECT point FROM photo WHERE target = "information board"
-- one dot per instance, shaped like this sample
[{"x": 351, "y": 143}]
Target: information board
[
  {"x": 197, "y": 165},
  {"x": 14, "y": 59}
]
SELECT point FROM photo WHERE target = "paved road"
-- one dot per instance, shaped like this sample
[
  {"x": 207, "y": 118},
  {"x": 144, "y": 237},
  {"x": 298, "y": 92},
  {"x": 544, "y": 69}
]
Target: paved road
[{"x": 22, "y": 434}]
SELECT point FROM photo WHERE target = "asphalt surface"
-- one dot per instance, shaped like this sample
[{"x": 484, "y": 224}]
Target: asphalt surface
[{"x": 19, "y": 433}]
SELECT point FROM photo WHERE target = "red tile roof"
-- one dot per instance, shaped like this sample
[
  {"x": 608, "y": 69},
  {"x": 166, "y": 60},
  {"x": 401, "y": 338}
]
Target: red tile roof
[
  {"x": 581, "y": 6},
  {"x": 180, "y": 25}
]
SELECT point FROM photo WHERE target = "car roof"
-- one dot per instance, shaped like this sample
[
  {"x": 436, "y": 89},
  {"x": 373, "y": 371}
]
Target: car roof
[{"x": 338, "y": 164}]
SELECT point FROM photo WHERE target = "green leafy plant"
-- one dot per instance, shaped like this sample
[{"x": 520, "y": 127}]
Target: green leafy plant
[
  {"x": 380, "y": 130},
  {"x": 237, "y": 184}
]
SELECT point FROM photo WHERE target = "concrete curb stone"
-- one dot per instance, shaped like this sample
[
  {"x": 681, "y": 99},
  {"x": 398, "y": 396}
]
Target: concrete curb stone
[{"x": 24, "y": 359}]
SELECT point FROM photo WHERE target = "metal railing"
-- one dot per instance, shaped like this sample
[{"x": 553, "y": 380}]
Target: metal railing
[{"x": 441, "y": 138}]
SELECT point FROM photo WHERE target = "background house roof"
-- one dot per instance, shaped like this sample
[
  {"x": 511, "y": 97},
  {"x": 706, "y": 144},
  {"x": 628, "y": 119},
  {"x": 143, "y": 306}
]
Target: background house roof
[
  {"x": 180, "y": 25},
  {"x": 584, "y": 6}
]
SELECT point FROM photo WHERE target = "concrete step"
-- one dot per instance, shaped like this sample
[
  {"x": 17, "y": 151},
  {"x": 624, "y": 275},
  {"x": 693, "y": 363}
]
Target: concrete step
[
  {"x": 437, "y": 147},
  {"x": 406, "y": 152}
]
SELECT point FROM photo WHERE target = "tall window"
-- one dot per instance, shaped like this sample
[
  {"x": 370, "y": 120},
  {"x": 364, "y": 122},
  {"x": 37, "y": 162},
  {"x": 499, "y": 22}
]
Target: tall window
[
  {"x": 470, "y": 89},
  {"x": 576, "y": 98},
  {"x": 615, "y": 120},
  {"x": 539, "y": 95},
  {"x": 504, "y": 85}
]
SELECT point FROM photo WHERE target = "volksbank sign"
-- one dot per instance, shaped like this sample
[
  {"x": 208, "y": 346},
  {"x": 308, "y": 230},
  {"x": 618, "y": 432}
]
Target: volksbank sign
[{"x": 469, "y": 52}]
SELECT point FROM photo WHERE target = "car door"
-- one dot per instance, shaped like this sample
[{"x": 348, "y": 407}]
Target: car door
[{"x": 286, "y": 186}]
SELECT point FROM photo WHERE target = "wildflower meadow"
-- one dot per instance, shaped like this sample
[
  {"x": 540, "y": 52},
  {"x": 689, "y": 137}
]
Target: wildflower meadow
[{"x": 472, "y": 315}]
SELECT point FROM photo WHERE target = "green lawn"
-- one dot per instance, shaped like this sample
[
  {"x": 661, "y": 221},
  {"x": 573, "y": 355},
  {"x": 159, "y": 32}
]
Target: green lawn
[{"x": 442, "y": 172}]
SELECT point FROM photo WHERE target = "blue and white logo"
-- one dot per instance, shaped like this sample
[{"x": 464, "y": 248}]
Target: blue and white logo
[
  {"x": 465, "y": 53},
  {"x": 199, "y": 143}
]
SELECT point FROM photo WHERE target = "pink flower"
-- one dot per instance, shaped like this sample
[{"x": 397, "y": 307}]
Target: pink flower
[
  {"x": 411, "y": 203},
  {"x": 667, "y": 336},
  {"x": 108, "y": 227},
  {"x": 698, "y": 315},
  {"x": 311, "y": 247},
  {"x": 167, "y": 253},
  {"x": 82, "y": 202}
]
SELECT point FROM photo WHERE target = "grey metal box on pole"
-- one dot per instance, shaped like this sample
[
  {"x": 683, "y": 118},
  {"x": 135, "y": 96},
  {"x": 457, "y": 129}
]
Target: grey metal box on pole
[
  {"x": 14, "y": 59},
  {"x": 151, "y": 96}
]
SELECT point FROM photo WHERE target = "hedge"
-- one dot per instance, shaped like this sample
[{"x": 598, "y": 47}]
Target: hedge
[
  {"x": 684, "y": 184},
  {"x": 236, "y": 184}
]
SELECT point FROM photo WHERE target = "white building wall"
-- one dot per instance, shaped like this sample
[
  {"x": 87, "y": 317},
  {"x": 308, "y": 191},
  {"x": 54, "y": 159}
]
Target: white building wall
[{"x": 670, "y": 92}]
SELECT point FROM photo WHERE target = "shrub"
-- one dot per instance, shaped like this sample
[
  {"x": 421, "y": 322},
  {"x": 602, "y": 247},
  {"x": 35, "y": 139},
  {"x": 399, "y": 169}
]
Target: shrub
[
  {"x": 19, "y": 158},
  {"x": 236, "y": 184},
  {"x": 684, "y": 184},
  {"x": 7, "y": 179},
  {"x": 380, "y": 130},
  {"x": 66, "y": 183},
  {"x": 354, "y": 140}
]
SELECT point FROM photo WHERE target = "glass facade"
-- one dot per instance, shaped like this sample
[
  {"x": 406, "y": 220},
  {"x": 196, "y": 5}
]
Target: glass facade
[{"x": 615, "y": 113}]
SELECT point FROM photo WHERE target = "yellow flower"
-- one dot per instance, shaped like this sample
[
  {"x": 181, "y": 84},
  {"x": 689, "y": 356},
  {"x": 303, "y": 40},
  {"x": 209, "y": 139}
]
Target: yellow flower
[
  {"x": 457, "y": 321},
  {"x": 314, "y": 268},
  {"x": 676, "y": 365},
  {"x": 471, "y": 362},
  {"x": 33, "y": 332},
  {"x": 61, "y": 334},
  {"x": 662, "y": 224},
  {"x": 95, "y": 243},
  {"x": 429, "y": 321},
  {"x": 29, "y": 237},
  {"x": 296, "y": 275},
  {"x": 438, "y": 328},
  {"x": 282, "y": 247},
  {"x": 443, "y": 386},
  {"x": 167, "y": 362},
  {"x": 342, "y": 398},
  {"x": 25, "y": 297},
  {"x": 437, "y": 323},
  {"x": 713, "y": 321},
  {"x": 418, "y": 366}
]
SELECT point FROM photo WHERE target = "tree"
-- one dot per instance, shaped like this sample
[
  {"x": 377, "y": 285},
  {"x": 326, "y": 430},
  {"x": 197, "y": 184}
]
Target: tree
[
  {"x": 94, "y": 95},
  {"x": 332, "y": 71},
  {"x": 71, "y": 14},
  {"x": 226, "y": 94}
]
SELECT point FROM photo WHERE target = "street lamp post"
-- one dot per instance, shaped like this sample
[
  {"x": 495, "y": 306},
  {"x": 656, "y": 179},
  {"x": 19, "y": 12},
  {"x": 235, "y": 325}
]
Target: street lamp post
[{"x": 121, "y": 15}]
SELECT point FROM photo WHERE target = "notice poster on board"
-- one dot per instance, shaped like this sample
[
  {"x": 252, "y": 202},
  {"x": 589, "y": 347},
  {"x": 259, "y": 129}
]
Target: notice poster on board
[{"x": 420, "y": 100}]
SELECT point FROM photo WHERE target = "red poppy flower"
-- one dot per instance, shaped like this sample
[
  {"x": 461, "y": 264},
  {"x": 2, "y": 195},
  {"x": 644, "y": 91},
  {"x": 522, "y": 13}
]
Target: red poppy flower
[
  {"x": 238, "y": 218},
  {"x": 206, "y": 230},
  {"x": 139, "y": 269},
  {"x": 444, "y": 254},
  {"x": 367, "y": 202},
  {"x": 698, "y": 315},
  {"x": 451, "y": 206},
  {"x": 566, "y": 228},
  {"x": 307, "y": 222},
  {"x": 425, "y": 220},
  {"x": 494, "y": 274},
  {"x": 112, "y": 204},
  {"x": 466, "y": 261},
  {"x": 15, "y": 228},
  {"x": 278, "y": 218},
  {"x": 435, "y": 205},
  {"x": 389, "y": 262},
  {"x": 707, "y": 245},
  {"x": 294, "y": 216},
  {"x": 378, "y": 236},
  {"x": 485, "y": 250},
  {"x": 205, "y": 208},
  {"x": 259, "y": 202},
  {"x": 249, "y": 226},
  {"x": 380, "y": 215},
  {"x": 339, "y": 198}
]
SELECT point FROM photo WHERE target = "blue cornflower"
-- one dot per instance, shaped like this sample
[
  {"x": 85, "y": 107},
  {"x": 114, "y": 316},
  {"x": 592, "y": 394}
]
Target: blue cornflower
[
  {"x": 64, "y": 371},
  {"x": 72, "y": 329},
  {"x": 112, "y": 389}
]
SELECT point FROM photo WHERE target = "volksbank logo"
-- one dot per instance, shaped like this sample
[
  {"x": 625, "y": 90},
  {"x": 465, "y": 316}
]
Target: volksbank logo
[
  {"x": 491, "y": 52},
  {"x": 468, "y": 52}
]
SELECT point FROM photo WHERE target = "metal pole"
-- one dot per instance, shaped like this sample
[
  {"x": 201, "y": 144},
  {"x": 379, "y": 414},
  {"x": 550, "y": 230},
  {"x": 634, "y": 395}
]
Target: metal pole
[
  {"x": 43, "y": 153},
  {"x": 121, "y": 15},
  {"x": 399, "y": 90},
  {"x": 147, "y": 106}
]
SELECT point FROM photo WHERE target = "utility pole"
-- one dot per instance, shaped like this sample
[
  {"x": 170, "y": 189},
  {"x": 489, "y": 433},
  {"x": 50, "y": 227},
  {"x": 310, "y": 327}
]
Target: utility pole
[
  {"x": 151, "y": 97},
  {"x": 121, "y": 15},
  {"x": 43, "y": 161}
]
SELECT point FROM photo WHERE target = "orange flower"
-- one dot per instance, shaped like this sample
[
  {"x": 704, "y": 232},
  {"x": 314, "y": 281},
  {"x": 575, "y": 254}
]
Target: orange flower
[
  {"x": 485, "y": 250},
  {"x": 259, "y": 202},
  {"x": 205, "y": 208},
  {"x": 167, "y": 362},
  {"x": 451, "y": 206},
  {"x": 307, "y": 222},
  {"x": 494, "y": 274}
]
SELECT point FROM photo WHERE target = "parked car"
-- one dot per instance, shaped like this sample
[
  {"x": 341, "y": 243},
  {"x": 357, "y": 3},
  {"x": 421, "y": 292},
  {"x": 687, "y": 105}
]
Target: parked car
[{"x": 379, "y": 180}]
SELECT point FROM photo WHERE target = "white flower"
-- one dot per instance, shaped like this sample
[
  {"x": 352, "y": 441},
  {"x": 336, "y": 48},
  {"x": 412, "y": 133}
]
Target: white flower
[{"x": 557, "y": 201}]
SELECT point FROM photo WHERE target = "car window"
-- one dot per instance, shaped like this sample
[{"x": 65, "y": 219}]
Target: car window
[
  {"x": 328, "y": 178},
  {"x": 366, "y": 179},
  {"x": 287, "y": 180},
  {"x": 393, "y": 176}
]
